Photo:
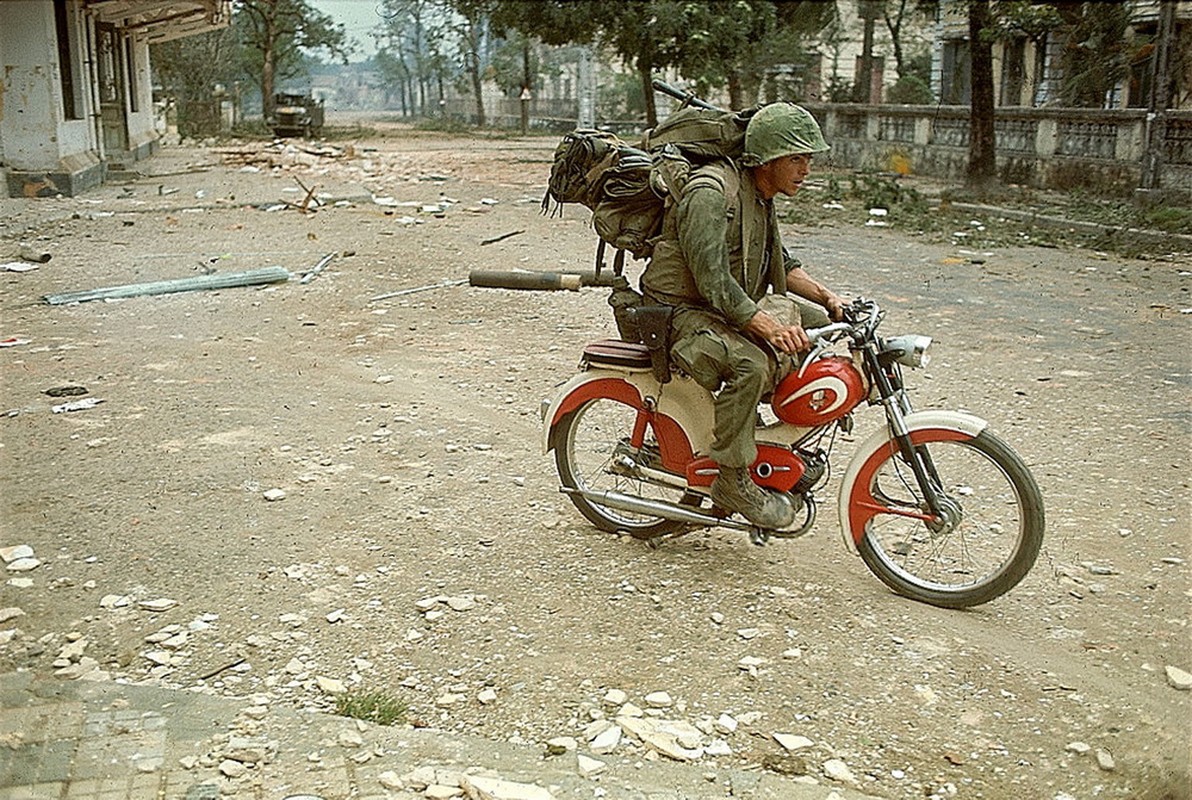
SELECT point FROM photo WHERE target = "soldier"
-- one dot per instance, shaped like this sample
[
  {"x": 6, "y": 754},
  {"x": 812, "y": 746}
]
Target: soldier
[{"x": 719, "y": 255}]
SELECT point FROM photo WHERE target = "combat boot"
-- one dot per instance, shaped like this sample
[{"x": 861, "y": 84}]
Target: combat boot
[{"x": 735, "y": 490}]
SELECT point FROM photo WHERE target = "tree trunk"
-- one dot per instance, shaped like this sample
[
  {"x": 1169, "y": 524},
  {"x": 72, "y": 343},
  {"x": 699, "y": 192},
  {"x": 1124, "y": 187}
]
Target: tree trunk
[
  {"x": 982, "y": 164},
  {"x": 268, "y": 60},
  {"x": 736, "y": 92},
  {"x": 647, "y": 76}
]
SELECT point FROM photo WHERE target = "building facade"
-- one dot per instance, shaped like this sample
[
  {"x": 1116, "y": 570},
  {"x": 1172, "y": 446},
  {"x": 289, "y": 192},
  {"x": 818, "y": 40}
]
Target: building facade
[{"x": 75, "y": 88}]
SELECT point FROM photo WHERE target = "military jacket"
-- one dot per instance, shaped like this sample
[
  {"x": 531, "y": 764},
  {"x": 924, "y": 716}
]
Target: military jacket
[{"x": 719, "y": 249}]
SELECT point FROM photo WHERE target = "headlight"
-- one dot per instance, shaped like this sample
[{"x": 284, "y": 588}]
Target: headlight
[{"x": 909, "y": 350}]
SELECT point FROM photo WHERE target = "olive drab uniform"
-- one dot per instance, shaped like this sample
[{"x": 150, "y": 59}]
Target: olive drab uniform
[{"x": 718, "y": 256}]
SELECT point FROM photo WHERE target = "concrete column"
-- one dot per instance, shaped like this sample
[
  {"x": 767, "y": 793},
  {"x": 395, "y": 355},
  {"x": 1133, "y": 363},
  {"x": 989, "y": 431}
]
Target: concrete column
[{"x": 1046, "y": 137}]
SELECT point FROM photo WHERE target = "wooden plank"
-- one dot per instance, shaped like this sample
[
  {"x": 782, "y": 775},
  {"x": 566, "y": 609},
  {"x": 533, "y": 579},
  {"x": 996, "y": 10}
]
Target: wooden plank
[{"x": 204, "y": 282}]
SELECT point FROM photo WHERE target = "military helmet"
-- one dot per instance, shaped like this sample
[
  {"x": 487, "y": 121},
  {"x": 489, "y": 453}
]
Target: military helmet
[{"x": 781, "y": 129}]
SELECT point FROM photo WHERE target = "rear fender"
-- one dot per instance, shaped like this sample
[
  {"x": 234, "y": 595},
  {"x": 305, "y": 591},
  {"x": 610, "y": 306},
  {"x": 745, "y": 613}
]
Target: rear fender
[
  {"x": 673, "y": 420},
  {"x": 879, "y": 444}
]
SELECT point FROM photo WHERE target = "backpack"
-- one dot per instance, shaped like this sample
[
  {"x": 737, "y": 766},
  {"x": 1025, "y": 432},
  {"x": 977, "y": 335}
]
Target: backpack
[{"x": 627, "y": 187}]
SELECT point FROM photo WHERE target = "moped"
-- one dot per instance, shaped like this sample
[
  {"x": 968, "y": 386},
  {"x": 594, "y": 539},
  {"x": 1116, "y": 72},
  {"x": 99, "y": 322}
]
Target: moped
[{"x": 938, "y": 507}]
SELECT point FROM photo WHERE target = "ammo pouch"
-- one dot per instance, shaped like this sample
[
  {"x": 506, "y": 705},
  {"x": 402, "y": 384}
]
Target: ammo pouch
[
  {"x": 653, "y": 323},
  {"x": 623, "y": 301}
]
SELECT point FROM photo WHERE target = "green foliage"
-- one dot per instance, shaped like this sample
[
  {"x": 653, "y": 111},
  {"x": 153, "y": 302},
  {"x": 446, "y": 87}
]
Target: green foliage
[
  {"x": 875, "y": 190},
  {"x": 378, "y": 707},
  {"x": 1011, "y": 20},
  {"x": 1095, "y": 53}
]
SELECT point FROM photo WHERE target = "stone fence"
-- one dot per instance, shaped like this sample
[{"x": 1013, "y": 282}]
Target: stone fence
[
  {"x": 1055, "y": 148},
  {"x": 1041, "y": 147}
]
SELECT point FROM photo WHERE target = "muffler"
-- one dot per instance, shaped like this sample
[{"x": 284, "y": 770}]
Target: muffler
[{"x": 656, "y": 508}]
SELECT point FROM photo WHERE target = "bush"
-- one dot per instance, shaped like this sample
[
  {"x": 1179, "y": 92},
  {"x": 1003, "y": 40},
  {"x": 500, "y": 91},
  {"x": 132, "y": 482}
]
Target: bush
[{"x": 371, "y": 706}]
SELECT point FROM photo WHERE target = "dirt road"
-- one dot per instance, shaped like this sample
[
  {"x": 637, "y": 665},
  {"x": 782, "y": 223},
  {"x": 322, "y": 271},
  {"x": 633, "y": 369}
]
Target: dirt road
[{"x": 422, "y": 547}]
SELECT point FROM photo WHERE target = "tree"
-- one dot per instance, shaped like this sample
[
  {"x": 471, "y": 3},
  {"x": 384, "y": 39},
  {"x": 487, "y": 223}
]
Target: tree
[
  {"x": 189, "y": 69},
  {"x": 982, "y": 163},
  {"x": 275, "y": 33},
  {"x": 471, "y": 27}
]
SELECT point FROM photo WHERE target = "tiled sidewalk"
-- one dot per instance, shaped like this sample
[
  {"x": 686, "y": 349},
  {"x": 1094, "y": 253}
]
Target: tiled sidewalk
[{"x": 105, "y": 741}]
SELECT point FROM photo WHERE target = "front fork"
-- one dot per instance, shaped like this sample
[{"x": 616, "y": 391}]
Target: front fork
[{"x": 897, "y": 405}]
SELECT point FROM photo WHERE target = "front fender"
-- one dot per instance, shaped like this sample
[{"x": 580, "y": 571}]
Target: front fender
[{"x": 965, "y": 426}]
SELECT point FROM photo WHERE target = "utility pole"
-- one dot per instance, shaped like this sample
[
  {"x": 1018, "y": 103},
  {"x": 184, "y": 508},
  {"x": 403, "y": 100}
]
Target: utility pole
[
  {"x": 586, "y": 78},
  {"x": 1156, "y": 118}
]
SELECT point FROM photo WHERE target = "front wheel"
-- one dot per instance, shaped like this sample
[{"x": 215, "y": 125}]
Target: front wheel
[
  {"x": 984, "y": 543},
  {"x": 589, "y": 443}
]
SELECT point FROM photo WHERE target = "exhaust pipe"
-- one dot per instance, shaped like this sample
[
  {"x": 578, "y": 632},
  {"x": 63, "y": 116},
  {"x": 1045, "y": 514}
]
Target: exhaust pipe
[{"x": 656, "y": 508}]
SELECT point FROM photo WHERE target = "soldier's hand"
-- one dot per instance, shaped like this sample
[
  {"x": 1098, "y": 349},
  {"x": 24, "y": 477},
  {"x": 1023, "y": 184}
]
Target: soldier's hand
[{"x": 789, "y": 339}]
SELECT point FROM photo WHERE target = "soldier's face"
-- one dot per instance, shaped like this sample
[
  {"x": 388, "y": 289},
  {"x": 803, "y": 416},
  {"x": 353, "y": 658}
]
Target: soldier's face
[{"x": 783, "y": 175}]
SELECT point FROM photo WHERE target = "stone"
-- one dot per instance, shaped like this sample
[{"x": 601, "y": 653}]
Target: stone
[
  {"x": 390, "y": 780},
  {"x": 671, "y": 738},
  {"x": 461, "y": 603},
  {"x": 589, "y": 767},
  {"x": 837, "y": 770},
  {"x": 16, "y": 552},
  {"x": 560, "y": 745},
  {"x": 725, "y": 724},
  {"x": 606, "y": 740},
  {"x": 748, "y": 633},
  {"x": 440, "y": 792},
  {"x": 792, "y": 742},
  {"x": 1178, "y": 678},
  {"x": 487, "y": 696},
  {"x": 1105, "y": 760},
  {"x": 331, "y": 685},
  {"x": 160, "y": 604},
  {"x": 274, "y": 495},
  {"x": 659, "y": 700},
  {"x": 1079, "y": 748},
  {"x": 249, "y": 750},
  {"x": 479, "y": 787},
  {"x": 232, "y": 769},
  {"x": 23, "y": 564},
  {"x": 615, "y": 697}
]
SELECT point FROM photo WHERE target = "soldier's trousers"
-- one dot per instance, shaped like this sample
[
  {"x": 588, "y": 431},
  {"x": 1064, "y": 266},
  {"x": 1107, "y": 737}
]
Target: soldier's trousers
[{"x": 737, "y": 369}]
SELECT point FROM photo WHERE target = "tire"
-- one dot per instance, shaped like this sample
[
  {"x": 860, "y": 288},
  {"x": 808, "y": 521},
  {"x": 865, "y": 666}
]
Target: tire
[
  {"x": 584, "y": 442},
  {"x": 996, "y": 536}
]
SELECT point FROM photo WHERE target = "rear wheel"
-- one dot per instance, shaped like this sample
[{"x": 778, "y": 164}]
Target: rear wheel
[
  {"x": 588, "y": 444},
  {"x": 990, "y": 534}
]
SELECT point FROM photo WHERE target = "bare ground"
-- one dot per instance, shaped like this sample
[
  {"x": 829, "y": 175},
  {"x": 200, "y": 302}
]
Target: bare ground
[{"x": 405, "y": 434}]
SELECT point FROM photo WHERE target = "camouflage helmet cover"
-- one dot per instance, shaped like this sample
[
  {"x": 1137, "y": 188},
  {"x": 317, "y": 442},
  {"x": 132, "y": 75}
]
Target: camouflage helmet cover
[{"x": 781, "y": 129}]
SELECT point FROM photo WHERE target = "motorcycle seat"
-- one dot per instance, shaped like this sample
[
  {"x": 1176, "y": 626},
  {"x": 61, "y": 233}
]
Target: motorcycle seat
[{"x": 616, "y": 353}]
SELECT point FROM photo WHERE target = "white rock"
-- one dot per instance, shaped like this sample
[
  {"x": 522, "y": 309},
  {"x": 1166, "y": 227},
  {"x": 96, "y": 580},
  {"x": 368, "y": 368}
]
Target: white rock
[
  {"x": 615, "y": 697},
  {"x": 336, "y": 616},
  {"x": 790, "y": 741},
  {"x": 837, "y": 770},
  {"x": 232, "y": 769},
  {"x": 748, "y": 633},
  {"x": 160, "y": 604},
  {"x": 390, "y": 780},
  {"x": 589, "y": 767},
  {"x": 461, "y": 603},
  {"x": 606, "y": 740},
  {"x": 659, "y": 700},
  {"x": 159, "y": 657},
  {"x": 1105, "y": 760},
  {"x": 331, "y": 685},
  {"x": 479, "y": 787},
  {"x": 10, "y": 554},
  {"x": 560, "y": 745},
  {"x": 273, "y": 495},
  {"x": 726, "y": 724},
  {"x": 1079, "y": 748},
  {"x": 717, "y": 617},
  {"x": 20, "y": 583},
  {"x": 630, "y": 710},
  {"x": 792, "y": 653},
  {"x": 1178, "y": 678},
  {"x": 671, "y": 738},
  {"x": 23, "y": 564},
  {"x": 718, "y": 747},
  {"x": 487, "y": 696},
  {"x": 350, "y": 739}
]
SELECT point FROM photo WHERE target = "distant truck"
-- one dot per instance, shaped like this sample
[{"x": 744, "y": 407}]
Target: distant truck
[{"x": 296, "y": 115}]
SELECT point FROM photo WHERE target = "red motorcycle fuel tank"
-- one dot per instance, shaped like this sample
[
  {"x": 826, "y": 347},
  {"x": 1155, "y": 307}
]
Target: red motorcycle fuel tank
[{"x": 822, "y": 392}]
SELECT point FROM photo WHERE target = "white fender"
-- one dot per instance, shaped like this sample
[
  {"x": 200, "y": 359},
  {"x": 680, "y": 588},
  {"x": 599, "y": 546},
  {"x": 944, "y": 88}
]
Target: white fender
[
  {"x": 682, "y": 399},
  {"x": 916, "y": 421}
]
